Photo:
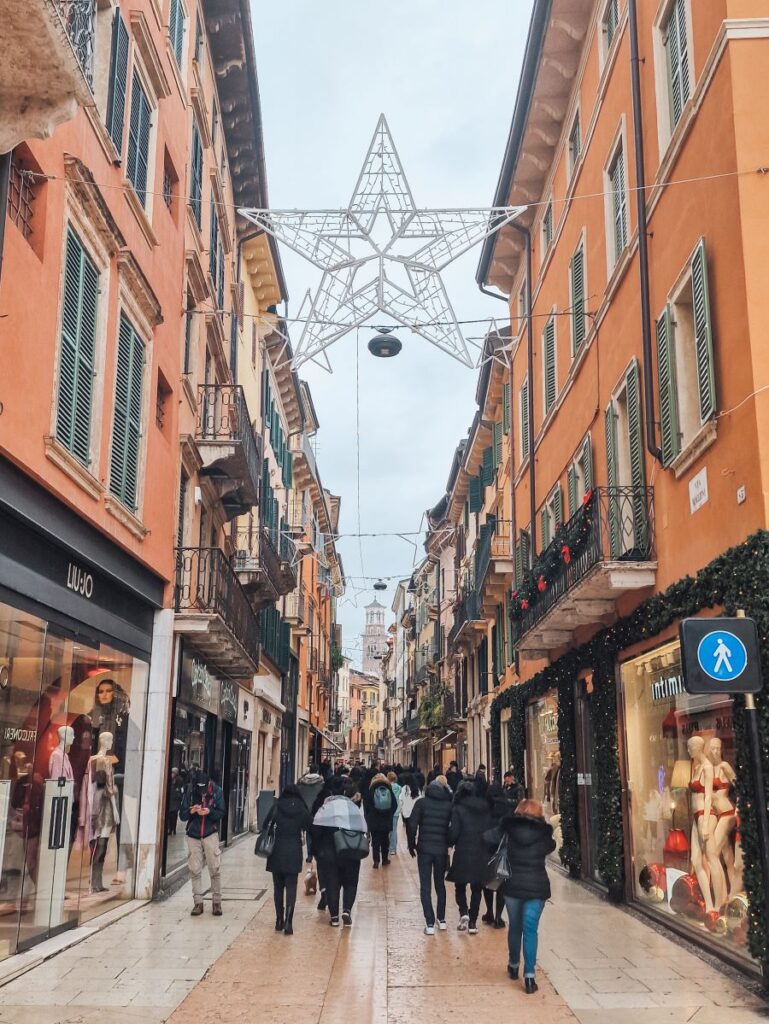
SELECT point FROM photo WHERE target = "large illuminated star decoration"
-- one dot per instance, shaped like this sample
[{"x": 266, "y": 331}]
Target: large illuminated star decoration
[{"x": 365, "y": 268}]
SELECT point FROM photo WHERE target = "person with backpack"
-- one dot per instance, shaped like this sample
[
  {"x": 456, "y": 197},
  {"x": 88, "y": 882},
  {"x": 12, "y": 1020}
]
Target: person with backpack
[
  {"x": 339, "y": 856},
  {"x": 392, "y": 778},
  {"x": 453, "y": 777},
  {"x": 291, "y": 818},
  {"x": 409, "y": 795},
  {"x": 529, "y": 842},
  {"x": 427, "y": 830},
  {"x": 470, "y": 818},
  {"x": 379, "y": 806}
]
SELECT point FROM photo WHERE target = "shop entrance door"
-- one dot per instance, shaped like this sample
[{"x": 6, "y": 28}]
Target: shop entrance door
[
  {"x": 51, "y": 880},
  {"x": 587, "y": 781}
]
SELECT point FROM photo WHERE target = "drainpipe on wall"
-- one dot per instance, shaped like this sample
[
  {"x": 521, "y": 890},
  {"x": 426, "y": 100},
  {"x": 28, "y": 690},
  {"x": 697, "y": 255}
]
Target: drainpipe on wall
[
  {"x": 530, "y": 371},
  {"x": 5, "y": 177},
  {"x": 643, "y": 240}
]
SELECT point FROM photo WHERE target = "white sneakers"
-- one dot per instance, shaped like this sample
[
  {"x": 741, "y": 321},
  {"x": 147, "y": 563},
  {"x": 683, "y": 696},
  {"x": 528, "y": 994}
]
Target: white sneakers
[
  {"x": 442, "y": 926},
  {"x": 429, "y": 930},
  {"x": 464, "y": 922}
]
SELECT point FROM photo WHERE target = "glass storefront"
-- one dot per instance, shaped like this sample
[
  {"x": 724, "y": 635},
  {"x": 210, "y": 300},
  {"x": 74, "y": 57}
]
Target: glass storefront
[
  {"x": 544, "y": 759},
  {"x": 686, "y": 854},
  {"x": 72, "y": 715}
]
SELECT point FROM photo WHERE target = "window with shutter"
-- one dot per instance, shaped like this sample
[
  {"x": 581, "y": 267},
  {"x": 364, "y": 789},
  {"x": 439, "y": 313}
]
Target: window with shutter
[
  {"x": 487, "y": 471},
  {"x": 577, "y": 276},
  {"x": 547, "y": 228},
  {"x": 176, "y": 30},
  {"x": 575, "y": 143},
  {"x": 610, "y": 22},
  {"x": 139, "y": 140},
  {"x": 127, "y": 419},
  {"x": 196, "y": 167},
  {"x": 525, "y": 550},
  {"x": 544, "y": 523},
  {"x": 612, "y": 477},
  {"x": 524, "y": 419},
  {"x": 182, "y": 513},
  {"x": 586, "y": 465},
  {"x": 668, "y": 397},
  {"x": 549, "y": 378},
  {"x": 677, "y": 51},
  {"x": 556, "y": 503},
  {"x": 506, "y": 408},
  {"x": 571, "y": 486},
  {"x": 518, "y": 562},
  {"x": 80, "y": 296},
  {"x": 213, "y": 243},
  {"x": 497, "y": 435},
  {"x": 475, "y": 494},
  {"x": 118, "y": 82},
  {"x": 636, "y": 451},
  {"x": 220, "y": 282},
  {"x": 703, "y": 335},
  {"x": 198, "y": 40},
  {"x": 618, "y": 227}
]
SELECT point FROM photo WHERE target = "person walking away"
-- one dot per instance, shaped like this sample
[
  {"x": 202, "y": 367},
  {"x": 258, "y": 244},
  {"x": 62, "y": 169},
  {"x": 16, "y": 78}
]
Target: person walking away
[
  {"x": 339, "y": 872},
  {"x": 501, "y": 805},
  {"x": 291, "y": 817},
  {"x": 202, "y": 808},
  {"x": 529, "y": 842},
  {"x": 470, "y": 818},
  {"x": 409, "y": 795},
  {"x": 427, "y": 831},
  {"x": 379, "y": 808},
  {"x": 453, "y": 777},
  {"x": 310, "y": 786},
  {"x": 392, "y": 778}
]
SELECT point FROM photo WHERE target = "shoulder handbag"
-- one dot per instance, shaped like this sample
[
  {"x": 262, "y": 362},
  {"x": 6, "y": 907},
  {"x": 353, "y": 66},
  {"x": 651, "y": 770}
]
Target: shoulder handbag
[
  {"x": 265, "y": 841},
  {"x": 350, "y": 844},
  {"x": 499, "y": 866}
]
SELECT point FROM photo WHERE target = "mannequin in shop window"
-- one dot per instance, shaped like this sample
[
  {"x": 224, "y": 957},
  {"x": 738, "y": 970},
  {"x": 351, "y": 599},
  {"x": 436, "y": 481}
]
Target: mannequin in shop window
[
  {"x": 705, "y": 859},
  {"x": 552, "y": 784},
  {"x": 110, "y": 714},
  {"x": 724, "y": 778},
  {"x": 99, "y": 816}
]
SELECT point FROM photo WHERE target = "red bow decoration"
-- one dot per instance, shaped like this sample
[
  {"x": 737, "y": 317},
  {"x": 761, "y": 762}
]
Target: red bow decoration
[
  {"x": 588, "y": 496},
  {"x": 566, "y": 554},
  {"x": 541, "y": 584},
  {"x": 524, "y": 604}
]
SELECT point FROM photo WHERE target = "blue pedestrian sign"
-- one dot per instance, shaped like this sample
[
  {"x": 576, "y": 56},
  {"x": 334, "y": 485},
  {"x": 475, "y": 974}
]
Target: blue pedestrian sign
[{"x": 720, "y": 655}]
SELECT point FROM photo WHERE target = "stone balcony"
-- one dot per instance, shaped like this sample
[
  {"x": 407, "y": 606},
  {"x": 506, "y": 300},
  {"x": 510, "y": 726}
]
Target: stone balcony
[{"x": 230, "y": 450}]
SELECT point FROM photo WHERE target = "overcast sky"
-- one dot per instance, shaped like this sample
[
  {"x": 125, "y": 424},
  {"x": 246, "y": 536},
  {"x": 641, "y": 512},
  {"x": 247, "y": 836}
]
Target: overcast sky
[{"x": 444, "y": 73}]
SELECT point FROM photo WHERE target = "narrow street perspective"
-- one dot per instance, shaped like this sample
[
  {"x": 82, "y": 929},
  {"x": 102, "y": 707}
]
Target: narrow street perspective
[{"x": 384, "y": 511}]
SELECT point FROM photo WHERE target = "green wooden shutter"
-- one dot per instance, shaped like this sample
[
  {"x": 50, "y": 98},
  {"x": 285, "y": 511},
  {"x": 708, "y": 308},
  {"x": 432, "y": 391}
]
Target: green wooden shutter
[
  {"x": 544, "y": 522},
  {"x": 571, "y": 487},
  {"x": 126, "y": 428},
  {"x": 181, "y": 511},
  {"x": 525, "y": 419},
  {"x": 518, "y": 562},
  {"x": 558, "y": 505},
  {"x": 577, "y": 273},
  {"x": 497, "y": 435},
  {"x": 587, "y": 463},
  {"x": 703, "y": 335},
  {"x": 506, "y": 408},
  {"x": 487, "y": 470},
  {"x": 548, "y": 344},
  {"x": 668, "y": 389},
  {"x": 176, "y": 30},
  {"x": 118, "y": 81},
  {"x": 78, "y": 349},
  {"x": 196, "y": 184},
  {"x": 220, "y": 283},
  {"x": 475, "y": 494},
  {"x": 619, "y": 204},
  {"x": 213, "y": 243},
  {"x": 678, "y": 60},
  {"x": 526, "y": 549},
  {"x": 636, "y": 451},
  {"x": 139, "y": 140},
  {"x": 612, "y": 476}
]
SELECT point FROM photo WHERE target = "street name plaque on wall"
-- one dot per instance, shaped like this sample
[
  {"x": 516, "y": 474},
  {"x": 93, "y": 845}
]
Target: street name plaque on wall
[{"x": 720, "y": 655}]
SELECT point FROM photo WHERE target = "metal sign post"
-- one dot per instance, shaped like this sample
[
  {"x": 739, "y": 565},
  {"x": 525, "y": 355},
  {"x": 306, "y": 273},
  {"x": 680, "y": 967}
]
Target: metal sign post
[{"x": 722, "y": 656}]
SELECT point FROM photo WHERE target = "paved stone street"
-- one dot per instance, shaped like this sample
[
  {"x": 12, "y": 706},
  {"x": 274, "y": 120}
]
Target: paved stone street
[{"x": 598, "y": 966}]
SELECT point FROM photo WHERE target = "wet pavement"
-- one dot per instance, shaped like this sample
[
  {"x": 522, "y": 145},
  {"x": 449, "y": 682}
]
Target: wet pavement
[{"x": 597, "y": 965}]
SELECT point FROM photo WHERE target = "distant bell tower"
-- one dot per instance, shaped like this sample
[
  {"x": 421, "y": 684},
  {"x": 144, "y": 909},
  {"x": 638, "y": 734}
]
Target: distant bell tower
[{"x": 374, "y": 637}]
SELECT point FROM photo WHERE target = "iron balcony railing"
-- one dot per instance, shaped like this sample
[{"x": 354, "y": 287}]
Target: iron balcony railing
[
  {"x": 616, "y": 524},
  {"x": 79, "y": 18},
  {"x": 257, "y": 551},
  {"x": 223, "y": 418},
  {"x": 295, "y": 607},
  {"x": 425, "y": 659},
  {"x": 468, "y": 610},
  {"x": 206, "y": 583},
  {"x": 411, "y": 723}
]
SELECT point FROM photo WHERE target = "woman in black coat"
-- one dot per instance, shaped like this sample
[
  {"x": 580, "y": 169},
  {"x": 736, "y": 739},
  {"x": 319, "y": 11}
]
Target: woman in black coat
[
  {"x": 470, "y": 818},
  {"x": 529, "y": 841},
  {"x": 291, "y": 818}
]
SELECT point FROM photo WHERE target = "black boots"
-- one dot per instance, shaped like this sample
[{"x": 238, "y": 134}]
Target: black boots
[
  {"x": 289, "y": 924},
  {"x": 530, "y": 986},
  {"x": 499, "y": 922},
  {"x": 279, "y": 919}
]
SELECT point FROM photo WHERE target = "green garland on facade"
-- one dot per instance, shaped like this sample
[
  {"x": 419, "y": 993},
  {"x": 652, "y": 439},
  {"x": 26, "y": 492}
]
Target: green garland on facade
[{"x": 737, "y": 579}]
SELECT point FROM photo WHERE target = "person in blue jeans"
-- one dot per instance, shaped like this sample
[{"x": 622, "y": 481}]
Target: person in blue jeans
[
  {"x": 529, "y": 841},
  {"x": 427, "y": 831}
]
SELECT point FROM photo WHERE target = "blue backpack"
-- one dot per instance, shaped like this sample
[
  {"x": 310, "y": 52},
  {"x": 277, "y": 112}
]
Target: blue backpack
[{"x": 382, "y": 799}]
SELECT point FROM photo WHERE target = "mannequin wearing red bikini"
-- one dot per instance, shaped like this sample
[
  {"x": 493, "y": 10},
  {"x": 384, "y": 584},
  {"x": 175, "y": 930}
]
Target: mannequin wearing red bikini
[
  {"x": 723, "y": 779},
  {"x": 705, "y": 861}
]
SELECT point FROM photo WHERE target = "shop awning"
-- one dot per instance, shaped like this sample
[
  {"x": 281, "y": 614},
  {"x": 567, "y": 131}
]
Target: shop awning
[
  {"x": 414, "y": 742},
  {"x": 327, "y": 738},
  {"x": 444, "y": 738}
]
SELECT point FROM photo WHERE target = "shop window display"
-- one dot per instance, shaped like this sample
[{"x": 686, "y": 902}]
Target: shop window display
[
  {"x": 71, "y": 743},
  {"x": 544, "y": 760},
  {"x": 687, "y": 860}
]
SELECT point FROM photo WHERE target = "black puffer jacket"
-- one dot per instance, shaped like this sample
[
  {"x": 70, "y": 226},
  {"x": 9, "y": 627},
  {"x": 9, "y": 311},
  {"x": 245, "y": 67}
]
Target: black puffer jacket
[
  {"x": 376, "y": 820},
  {"x": 292, "y": 818},
  {"x": 529, "y": 841},
  {"x": 428, "y": 825},
  {"x": 470, "y": 818}
]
